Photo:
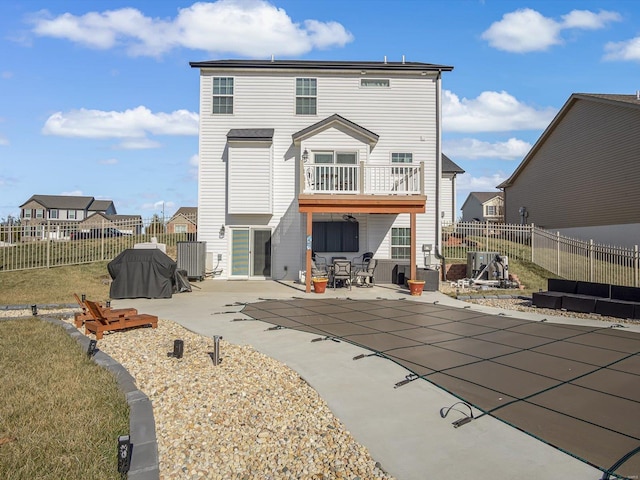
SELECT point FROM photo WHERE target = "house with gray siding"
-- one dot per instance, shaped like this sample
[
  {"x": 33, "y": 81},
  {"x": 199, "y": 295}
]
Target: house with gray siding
[
  {"x": 332, "y": 157},
  {"x": 581, "y": 176}
]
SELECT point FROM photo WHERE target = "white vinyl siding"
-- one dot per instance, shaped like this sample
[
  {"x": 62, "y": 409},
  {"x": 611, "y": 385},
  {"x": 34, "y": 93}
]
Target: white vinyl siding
[
  {"x": 403, "y": 117},
  {"x": 250, "y": 180}
]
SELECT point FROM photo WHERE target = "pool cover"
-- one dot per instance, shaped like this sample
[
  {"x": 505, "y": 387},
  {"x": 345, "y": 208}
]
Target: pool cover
[{"x": 575, "y": 387}]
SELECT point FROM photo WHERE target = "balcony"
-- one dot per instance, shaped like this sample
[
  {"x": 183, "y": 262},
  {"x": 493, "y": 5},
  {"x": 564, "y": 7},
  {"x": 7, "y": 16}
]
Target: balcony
[{"x": 364, "y": 188}]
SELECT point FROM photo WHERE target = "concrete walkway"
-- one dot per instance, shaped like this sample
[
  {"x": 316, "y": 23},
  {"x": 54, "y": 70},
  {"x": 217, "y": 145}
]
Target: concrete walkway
[{"x": 401, "y": 427}]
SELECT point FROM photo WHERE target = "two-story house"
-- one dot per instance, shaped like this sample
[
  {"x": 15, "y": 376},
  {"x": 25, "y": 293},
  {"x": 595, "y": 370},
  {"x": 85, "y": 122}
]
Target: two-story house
[
  {"x": 483, "y": 207},
  {"x": 333, "y": 157},
  {"x": 62, "y": 210}
]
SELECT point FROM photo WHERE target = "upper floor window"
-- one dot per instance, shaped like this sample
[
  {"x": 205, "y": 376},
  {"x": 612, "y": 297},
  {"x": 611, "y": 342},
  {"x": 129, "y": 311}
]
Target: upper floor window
[
  {"x": 491, "y": 210},
  {"x": 402, "y": 158},
  {"x": 39, "y": 213},
  {"x": 71, "y": 214},
  {"x": 53, "y": 213},
  {"x": 222, "y": 95},
  {"x": 180, "y": 228},
  {"x": 26, "y": 213},
  {"x": 374, "y": 82},
  {"x": 306, "y": 96}
]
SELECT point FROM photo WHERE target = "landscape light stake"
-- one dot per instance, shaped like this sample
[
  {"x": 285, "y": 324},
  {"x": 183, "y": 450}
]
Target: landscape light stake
[
  {"x": 124, "y": 454},
  {"x": 215, "y": 355},
  {"x": 92, "y": 348},
  {"x": 178, "y": 349},
  {"x": 34, "y": 310},
  {"x": 83, "y": 297},
  {"x": 108, "y": 303}
]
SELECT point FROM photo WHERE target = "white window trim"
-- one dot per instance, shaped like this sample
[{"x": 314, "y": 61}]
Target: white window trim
[
  {"x": 392, "y": 245},
  {"x": 232, "y": 96},
  {"x": 296, "y": 96},
  {"x": 374, "y": 86}
]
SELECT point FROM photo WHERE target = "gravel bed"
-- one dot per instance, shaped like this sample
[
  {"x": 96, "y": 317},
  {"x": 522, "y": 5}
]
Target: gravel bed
[{"x": 250, "y": 417}]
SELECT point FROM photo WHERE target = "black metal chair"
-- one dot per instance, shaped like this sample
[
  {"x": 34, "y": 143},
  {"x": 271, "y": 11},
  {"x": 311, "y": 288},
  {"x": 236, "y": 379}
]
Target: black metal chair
[{"x": 341, "y": 273}]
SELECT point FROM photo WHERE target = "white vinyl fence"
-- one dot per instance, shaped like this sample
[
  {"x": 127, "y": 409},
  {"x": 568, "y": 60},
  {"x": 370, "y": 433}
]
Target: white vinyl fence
[
  {"x": 566, "y": 257},
  {"x": 53, "y": 243}
]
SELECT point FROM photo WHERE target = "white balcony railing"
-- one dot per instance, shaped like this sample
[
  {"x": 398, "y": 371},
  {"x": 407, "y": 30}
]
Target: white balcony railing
[{"x": 361, "y": 179}]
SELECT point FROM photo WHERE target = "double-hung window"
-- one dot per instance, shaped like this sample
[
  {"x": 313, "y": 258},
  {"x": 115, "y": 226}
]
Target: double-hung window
[
  {"x": 71, "y": 214},
  {"x": 39, "y": 213},
  {"x": 222, "y": 95},
  {"x": 53, "y": 213},
  {"x": 306, "y": 96},
  {"x": 27, "y": 213},
  {"x": 491, "y": 210},
  {"x": 400, "y": 243}
]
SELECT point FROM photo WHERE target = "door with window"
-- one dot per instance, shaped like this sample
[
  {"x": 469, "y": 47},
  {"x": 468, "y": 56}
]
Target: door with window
[
  {"x": 250, "y": 252},
  {"x": 336, "y": 171}
]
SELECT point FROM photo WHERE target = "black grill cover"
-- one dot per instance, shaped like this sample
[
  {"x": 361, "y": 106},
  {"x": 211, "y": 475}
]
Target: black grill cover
[{"x": 142, "y": 273}]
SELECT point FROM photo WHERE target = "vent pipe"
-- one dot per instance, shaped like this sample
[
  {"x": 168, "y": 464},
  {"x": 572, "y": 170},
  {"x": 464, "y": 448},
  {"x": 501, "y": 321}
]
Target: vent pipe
[
  {"x": 637, "y": 94},
  {"x": 385, "y": 59},
  {"x": 272, "y": 57},
  {"x": 403, "y": 59}
]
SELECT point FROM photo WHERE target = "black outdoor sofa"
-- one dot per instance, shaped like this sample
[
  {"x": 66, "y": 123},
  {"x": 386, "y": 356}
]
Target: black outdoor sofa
[{"x": 590, "y": 297}]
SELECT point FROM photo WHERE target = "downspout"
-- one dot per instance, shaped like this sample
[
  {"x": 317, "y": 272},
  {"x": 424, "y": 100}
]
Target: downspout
[{"x": 438, "y": 238}]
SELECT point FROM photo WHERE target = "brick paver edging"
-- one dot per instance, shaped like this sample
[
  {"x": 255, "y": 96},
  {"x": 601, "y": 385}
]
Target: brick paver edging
[{"x": 142, "y": 425}]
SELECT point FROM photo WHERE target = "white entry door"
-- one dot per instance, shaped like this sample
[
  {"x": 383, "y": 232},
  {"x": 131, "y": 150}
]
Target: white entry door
[{"x": 250, "y": 252}]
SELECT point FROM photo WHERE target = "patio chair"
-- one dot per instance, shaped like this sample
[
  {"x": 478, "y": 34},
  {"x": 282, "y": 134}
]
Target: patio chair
[
  {"x": 341, "y": 273},
  {"x": 366, "y": 276},
  {"x": 80, "y": 317},
  {"x": 319, "y": 268},
  {"x": 101, "y": 323}
]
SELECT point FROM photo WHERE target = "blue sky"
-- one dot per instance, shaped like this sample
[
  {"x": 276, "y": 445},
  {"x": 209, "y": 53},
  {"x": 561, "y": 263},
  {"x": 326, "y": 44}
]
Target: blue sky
[{"x": 97, "y": 97}]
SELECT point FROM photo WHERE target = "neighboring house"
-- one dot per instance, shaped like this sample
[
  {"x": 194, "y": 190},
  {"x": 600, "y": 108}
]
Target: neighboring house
[
  {"x": 483, "y": 207},
  {"x": 59, "y": 211},
  {"x": 130, "y": 224},
  {"x": 185, "y": 220},
  {"x": 335, "y": 157},
  {"x": 581, "y": 176},
  {"x": 448, "y": 190}
]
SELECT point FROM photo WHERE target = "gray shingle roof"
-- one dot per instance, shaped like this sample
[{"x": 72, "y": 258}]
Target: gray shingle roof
[
  {"x": 486, "y": 196},
  {"x": 321, "y": 65},
  {"x": 100, "y": 205},
  {"x": 61, "y": 201},
  {"x": 250, "y": 134},
  {"x": 448, "y": 166}
]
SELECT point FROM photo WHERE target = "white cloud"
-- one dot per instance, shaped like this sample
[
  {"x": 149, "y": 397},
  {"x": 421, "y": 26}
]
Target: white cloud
[
  {"x": 253, "y": 28},
  {"x": 527, "y": 30},
  {"x": 132, "y": 126},
  {"x": 158, "y": 206},
  {"x": 109, "y": 161},
  {"x": 194, "y": 165},
  {"x": 4, "y": 141},
  {"x": 467, "y": 183},
  {"x": 74, "y": 193},
  {"x": 626, "y": 50},
  {"x": 473, "y": 149},
  {"x": 137, "y": 144},
  {"x": 491, "y": 112}
]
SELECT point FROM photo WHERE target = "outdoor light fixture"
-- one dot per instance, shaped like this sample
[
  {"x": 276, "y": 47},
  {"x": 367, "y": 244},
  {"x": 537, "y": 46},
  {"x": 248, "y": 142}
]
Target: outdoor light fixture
[
  {"x": 222, "y": 231},
  {"x": 34, "y": 309},
  {"x": 124, "y": 454},
  {"x": 178, "y": 349},
  {"x": 215, "y": 355},
  {"x": 305, "y": 155},
  {"x": 83, "y": 297},
  {"x": 108, "y": 303},
  {"x": 92, "y": 348},
  {"x": 349, "y": 218}
]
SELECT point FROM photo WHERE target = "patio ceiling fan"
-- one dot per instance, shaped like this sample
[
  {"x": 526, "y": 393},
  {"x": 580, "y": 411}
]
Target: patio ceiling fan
[{"x": 349, "y": 218}]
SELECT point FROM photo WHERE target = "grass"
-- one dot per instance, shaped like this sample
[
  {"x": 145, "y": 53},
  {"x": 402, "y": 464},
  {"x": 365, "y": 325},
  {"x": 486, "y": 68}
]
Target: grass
[
  {"x": 60, "y": 413},
  {"x": 55, "y": 285}
]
